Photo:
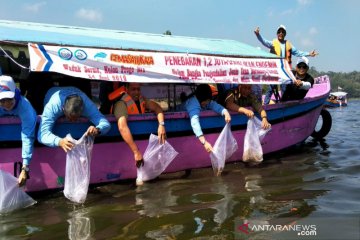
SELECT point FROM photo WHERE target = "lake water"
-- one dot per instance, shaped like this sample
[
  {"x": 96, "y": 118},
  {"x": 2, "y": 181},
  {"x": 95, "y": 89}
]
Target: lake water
[{"x": 314, "y": 184}]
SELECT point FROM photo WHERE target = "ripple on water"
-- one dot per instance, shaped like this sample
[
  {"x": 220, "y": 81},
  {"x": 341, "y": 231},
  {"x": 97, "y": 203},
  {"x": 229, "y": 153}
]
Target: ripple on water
[{"x": 206, "y": 197}]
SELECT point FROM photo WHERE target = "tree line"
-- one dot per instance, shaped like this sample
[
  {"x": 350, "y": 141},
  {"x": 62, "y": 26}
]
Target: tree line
[{"x": 349, "y": 82}]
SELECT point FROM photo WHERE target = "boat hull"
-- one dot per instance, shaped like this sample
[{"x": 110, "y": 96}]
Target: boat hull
[
  {"x": 330, "y": 104},
  {"x": 292, "y": 122},
  {"x": 114, "y": 161}
]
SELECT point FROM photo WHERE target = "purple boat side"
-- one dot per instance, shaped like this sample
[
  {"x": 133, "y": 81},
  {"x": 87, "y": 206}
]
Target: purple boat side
[{"x": 112, "y": 160}]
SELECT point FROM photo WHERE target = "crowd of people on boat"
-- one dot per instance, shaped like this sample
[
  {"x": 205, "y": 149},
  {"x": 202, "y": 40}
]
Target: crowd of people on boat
[{"x": 121, "y": 101}]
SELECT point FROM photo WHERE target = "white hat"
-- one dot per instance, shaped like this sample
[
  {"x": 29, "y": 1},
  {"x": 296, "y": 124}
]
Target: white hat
[
  {"x": 303, "y": 60},
  {"x": 281, "y": 26},
  {"x": 7, "y": 87}
]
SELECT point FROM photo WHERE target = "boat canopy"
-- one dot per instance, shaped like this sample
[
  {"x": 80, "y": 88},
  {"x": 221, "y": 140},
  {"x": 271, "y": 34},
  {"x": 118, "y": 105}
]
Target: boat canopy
[
  {"x": 114, "y": 55},
  {"x": 338, "y": 94}
]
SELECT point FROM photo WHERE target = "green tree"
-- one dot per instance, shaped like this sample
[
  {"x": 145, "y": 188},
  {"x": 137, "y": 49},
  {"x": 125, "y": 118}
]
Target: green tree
[
  {"x": 167, "y": 32},
  {"x": 349, "y": 82}
]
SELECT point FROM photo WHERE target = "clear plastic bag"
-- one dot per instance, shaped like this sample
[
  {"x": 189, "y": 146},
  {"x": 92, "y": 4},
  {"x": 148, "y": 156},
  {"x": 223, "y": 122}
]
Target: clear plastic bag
[
  {"x": 11, "y": 196},
  {"x": 252, "y": 143},
  {"x": 77, "y": 175},
  {"x": 156, "y": 159},
  {"x": 224, "y": 147}
]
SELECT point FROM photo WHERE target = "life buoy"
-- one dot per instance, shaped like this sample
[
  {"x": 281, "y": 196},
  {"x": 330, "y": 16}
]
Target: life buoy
[{"x": 326, "y": 125}]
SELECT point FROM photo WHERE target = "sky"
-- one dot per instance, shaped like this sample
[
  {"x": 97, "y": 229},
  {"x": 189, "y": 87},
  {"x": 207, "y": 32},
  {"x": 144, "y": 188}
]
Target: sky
[{"x": 331, "y": 27}]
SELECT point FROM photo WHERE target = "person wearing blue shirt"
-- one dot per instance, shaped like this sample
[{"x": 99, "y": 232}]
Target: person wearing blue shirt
[
  {"x": 284, "y": 49},
  {"x": 13, "y": 104},
  {"x": 71, "y": 103},
  {"x": 202, "y": 101}
]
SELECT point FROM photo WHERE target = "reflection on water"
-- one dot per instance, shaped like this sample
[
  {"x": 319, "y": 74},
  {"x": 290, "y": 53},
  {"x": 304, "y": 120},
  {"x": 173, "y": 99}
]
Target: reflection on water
[
  {"x": 224, "y": 207},
  {"x": 155, "y": 202},
  {"x": 166, "y": 232},
  {"x": 252, "y": 185},
  {"x": 315, "y": 142},
  {"x": 316, "y": 178},
  {"x": 80, "y": 225},
  {"x": 199, "y": 206}
]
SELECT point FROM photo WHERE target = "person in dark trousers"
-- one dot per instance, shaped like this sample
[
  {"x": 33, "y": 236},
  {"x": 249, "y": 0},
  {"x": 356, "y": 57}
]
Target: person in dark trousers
[
  {"x": 304, "y": 81},
  {"x": 282, "y": 48}
]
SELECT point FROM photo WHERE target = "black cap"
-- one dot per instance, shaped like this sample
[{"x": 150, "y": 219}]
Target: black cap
[{"x": 203, "y": 92}]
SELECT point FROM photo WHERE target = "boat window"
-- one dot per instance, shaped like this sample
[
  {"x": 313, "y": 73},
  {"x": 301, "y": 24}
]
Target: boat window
[
  {"x": 169, "y": 96},
  {"x": 36, "y": 85}
]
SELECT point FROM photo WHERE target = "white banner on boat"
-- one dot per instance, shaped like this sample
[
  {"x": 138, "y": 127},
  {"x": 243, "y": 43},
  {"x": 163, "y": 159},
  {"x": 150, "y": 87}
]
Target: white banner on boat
[{"x": 150, "y": 67}]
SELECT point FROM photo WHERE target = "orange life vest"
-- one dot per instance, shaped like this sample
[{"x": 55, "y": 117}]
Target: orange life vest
[
  {"x": 117, "y": 93},
  {"x": 214, "y": 90},
  {"x": 131, "y": 106},
  {"x": 121, "y": 94},
  {"x": 276, "y": 49}
]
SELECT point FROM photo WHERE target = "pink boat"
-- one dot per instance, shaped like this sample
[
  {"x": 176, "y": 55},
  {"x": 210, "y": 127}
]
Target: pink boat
[{"x": 212, "y": 61}]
